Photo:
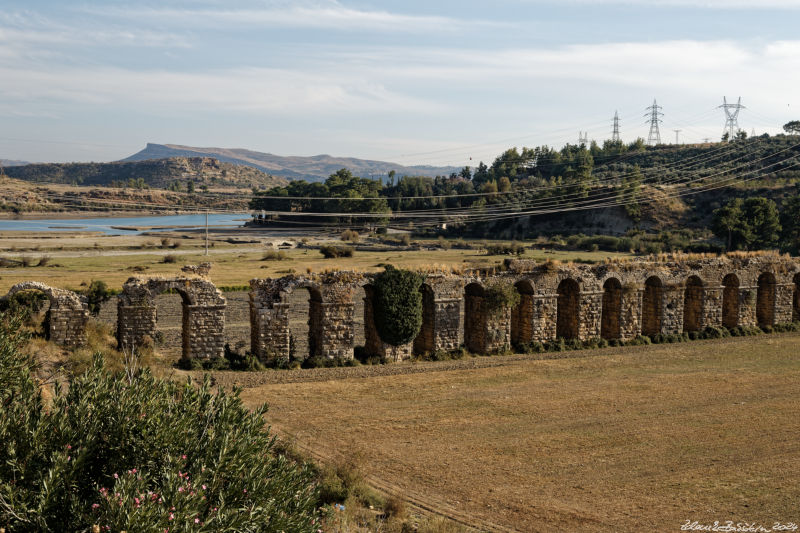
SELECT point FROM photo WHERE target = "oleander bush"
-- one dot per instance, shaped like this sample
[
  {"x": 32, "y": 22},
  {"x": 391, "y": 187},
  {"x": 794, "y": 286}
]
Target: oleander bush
[{"x": 127, "y": 451}]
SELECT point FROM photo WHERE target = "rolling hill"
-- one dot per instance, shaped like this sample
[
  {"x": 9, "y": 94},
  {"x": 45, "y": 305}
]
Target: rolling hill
[
  {"x": 158, "y": 173},
  {"x": 314, "y": 168}
]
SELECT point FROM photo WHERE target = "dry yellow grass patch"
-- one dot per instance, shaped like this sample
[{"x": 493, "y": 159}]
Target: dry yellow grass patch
[{"x": 635, "y": 439}]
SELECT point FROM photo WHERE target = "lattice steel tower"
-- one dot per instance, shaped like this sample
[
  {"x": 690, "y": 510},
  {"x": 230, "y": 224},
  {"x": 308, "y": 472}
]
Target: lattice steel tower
[
  {"x": 653, "y": 112},
  {"x": 583, "y": 138},
  {"x": 731, "y": 117},
  {"x": 615, "y": 132}
]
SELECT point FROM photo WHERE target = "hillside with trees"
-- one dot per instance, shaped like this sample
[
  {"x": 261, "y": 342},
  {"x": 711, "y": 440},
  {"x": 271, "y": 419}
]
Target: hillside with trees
[
  {"x": 612, "y": 189},
  {"x": 176, "y": 174}
]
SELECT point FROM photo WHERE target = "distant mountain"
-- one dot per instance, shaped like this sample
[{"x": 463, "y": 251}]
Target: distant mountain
[
  {"x": 159, "y": 173},
  {"x": 314, "y": 168},
  {"x": 12, "y": 163}
]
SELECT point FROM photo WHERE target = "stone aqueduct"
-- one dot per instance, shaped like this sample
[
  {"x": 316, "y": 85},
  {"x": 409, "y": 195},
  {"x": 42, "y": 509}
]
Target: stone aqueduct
[{"x": 612, "y": 301}]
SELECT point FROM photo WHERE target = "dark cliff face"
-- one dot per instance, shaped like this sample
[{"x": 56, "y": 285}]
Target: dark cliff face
[
  {"x": 314, "y": 168},
  {"x": 156, "y": 173}
]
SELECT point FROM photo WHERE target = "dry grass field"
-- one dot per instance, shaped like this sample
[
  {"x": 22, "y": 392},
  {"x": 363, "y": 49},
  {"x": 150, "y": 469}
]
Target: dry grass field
[
  {"x": 631, "y": 439},
  {"x": 77, "y": 258}
]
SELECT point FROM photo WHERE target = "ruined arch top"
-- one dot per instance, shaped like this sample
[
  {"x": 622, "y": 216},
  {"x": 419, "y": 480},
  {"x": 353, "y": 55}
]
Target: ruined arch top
[
  {"x": 193, "y": 290},
  {"x": 203, "y": 331},
  {"x": 60, "y": 298},
  {"x": 67, "y": 315}
]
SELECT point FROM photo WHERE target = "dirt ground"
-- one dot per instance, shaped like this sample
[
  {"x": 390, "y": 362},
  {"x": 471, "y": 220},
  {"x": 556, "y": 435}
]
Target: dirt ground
[{"x": 632, "y": 439}]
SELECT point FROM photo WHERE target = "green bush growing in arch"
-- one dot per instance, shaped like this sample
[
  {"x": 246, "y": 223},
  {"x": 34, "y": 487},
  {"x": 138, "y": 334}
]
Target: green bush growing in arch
[{"x": 398, "y": 305}]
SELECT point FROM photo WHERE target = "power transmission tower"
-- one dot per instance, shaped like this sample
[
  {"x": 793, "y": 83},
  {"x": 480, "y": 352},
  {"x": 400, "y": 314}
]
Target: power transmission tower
[
  {"x": 677, "y": 132},
  {"x": 706, "y": 140},
  {"x": 654, "y": 112},
  {"x": 615, "y": 134},
  {"x": 731, "y": 117},
  {"x": 583, "y": 138}
]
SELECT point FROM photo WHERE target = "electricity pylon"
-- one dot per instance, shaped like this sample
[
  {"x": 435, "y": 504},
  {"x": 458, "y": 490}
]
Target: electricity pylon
[
  {"x": 731, "y": 117},
  {"x": 654, "y": 112},
  {"x": 615, "y": 133}
]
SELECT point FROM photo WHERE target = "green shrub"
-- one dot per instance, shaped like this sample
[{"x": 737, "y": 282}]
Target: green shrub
[
  {"x": 24, "y": 305},
  {"x": 169, "y": 258},
  {"x": 328, "y": 362},
  {"x": 135, "y": 453},
  {"x": 96, "y": 295},
  {"x": 397, "y": 305},
  {"x": 500, "y": 295},
  {"x": 332, "y": 251},
  {"x": 505, "y": 249},
  {"x": 640, "y": 340},
  {"x": 274, "y": 255},
  {"x": 350, "y": 235}
]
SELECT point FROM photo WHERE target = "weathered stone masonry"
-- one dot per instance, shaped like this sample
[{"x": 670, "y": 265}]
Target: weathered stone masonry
[
  {"x": 203, "y": 333},
  {"x": 66, "y": 317},
  {"x": 610, "y": 301}
]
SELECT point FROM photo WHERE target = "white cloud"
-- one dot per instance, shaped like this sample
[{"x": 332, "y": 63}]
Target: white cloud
[
  {"x": 315, "y": 15},
  {"x": 274, "y": 91}
]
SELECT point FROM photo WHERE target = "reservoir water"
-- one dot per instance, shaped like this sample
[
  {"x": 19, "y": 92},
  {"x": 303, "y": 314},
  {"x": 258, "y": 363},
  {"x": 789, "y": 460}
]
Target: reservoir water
[{"x": 112, "y": 225}]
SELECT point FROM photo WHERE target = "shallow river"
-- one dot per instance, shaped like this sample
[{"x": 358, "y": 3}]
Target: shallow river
[{"x": 133, "y": 225}]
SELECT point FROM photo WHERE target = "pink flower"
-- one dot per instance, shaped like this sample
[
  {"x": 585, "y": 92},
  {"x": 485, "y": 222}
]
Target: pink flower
[
  {"x": 183, "y": 457},
  {"x": 180, "y": 489},
  {"x": 69, "y": 446},
  {"x": 171, "y": 516},
  {"x": 95, "y": 505},
  {"x": 204, "y": 487},
  {"x": 116, "y": 476},
  {"x": 196, "y": 520}
]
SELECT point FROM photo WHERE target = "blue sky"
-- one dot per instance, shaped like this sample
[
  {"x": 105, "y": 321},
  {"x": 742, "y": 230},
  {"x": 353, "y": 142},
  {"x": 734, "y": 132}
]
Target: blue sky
[{"x": 436, "y": 82}]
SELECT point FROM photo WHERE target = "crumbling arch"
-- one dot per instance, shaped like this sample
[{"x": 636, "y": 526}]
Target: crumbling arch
[
  {"x": 611, "y": 313},
  {"x": 765, "y": 300},
  {"x": 66, "y": 317},
  {"x": 730, "y": 301},
  {"x": 652, "y": 306},
  {"x": 693, "y": 298},
  {"x": 203, "y": 311},
  {"x": 475, "y": 318},
  {"x": 522, "y": 314},
  {"x": 568, "y": 309},
  {"x": 796, "y": 299}
]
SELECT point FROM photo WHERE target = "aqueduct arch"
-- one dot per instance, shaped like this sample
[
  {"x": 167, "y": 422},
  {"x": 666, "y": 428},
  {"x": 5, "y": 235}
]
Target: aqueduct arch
[
  {"x": 693, "y": 301},
  {"x": 66, "y": 317},
  {"x": 765, "y": 300},
  {"x": 203, "y": 306},
  {"x": 796, "y": 299},
  {"x": 568, "y": 313},
  {"x": 730, "y": 301},
  {"x": 425, "y": 342},
  {"x": 652, "y": 306},
  {"x": 474, "y": 318},
  {"x": 610, "y": 327},
  {"x": 522, "y": 314}
]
